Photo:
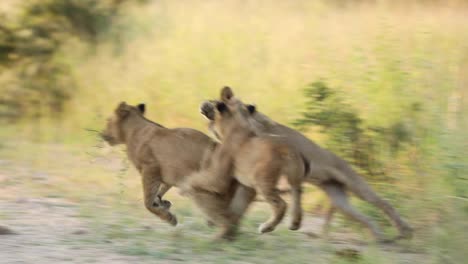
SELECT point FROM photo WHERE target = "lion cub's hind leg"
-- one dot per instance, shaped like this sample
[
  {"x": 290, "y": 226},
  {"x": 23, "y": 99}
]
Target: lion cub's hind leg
[
  {"x": 151, "y": 179},
  {"x": 365, "y": 192},
  {"x": 339, "y": 199},
  {"x": 296, "y": 209},
  {"x": 328, "y": 219}
]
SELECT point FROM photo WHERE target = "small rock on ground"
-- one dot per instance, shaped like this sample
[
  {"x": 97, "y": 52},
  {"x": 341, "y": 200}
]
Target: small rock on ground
[{"x": 6, "y": 231}]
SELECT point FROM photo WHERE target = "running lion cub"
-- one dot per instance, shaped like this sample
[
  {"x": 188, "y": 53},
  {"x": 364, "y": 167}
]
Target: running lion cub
[
  {"x": 255, "y": 159},
  {"x": 322, "y": 168},
  {"x": 167, "y": 157}
]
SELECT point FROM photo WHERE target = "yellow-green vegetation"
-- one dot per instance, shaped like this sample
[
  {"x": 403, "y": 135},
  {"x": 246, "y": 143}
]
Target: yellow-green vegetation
[
  {"x": 399, "y": 68},
  {"x": 107, "y": 197}
]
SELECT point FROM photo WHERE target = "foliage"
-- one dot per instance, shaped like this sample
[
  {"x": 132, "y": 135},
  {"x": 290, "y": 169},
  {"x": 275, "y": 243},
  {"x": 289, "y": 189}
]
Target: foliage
[
  {"x": 30, "y": 47},
  {"x": 347, "y": 133},
  {"x": 390, "y": 69}
]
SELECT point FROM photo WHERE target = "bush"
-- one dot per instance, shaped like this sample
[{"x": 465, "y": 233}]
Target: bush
[
  {"x": 348, "y": 135},
  {"x": 30, "y": 47}
]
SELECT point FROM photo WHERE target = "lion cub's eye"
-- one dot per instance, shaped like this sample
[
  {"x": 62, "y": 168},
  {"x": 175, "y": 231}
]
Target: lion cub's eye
[{"x": 251, "y": 108}]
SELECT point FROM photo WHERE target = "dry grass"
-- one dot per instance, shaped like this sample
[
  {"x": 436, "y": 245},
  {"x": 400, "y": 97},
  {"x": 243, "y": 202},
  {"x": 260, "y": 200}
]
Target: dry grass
[
  {"x": 104, "y": 211},
  {"x": 174, "y": 54}
]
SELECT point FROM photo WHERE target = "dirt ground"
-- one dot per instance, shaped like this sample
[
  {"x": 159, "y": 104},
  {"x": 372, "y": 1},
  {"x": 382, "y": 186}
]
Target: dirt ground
[
  {"x": 44, "y": 230},
  {"x": 48, "y": 229}
]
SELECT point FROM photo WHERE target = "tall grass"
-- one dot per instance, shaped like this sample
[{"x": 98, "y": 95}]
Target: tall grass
[
  {"x": 172, "y": 55},
  {"x": 383, "y": 58},
  {"x": 176, "y": 54}
]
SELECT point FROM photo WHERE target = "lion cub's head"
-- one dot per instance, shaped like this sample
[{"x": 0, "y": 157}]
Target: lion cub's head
[
  {"x": 114, "y": 133},
  {"x": 226, "y": 113}
]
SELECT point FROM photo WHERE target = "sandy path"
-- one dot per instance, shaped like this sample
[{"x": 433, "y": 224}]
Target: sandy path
[{"x": 47, "y": 230}]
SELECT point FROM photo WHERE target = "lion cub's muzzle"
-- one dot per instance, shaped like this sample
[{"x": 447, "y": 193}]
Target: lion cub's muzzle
[{"x": 207, "y": 110}]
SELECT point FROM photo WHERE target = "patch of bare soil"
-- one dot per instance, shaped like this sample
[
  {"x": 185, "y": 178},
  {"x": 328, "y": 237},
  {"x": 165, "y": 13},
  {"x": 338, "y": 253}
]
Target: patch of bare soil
[
  {"x": 45, "y": 230},
  {"x": 349, "y": 244},
  {"x": 48, "y": 230}
]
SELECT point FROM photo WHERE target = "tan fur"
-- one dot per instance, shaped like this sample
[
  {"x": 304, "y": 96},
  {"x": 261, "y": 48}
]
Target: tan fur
[
  {"x": 255, "y": 160},
  {"x": 165, "y": 158},
  {"x": 326, "y": 170}
]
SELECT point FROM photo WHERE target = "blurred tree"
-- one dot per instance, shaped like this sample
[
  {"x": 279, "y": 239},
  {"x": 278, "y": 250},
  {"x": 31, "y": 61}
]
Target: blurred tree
[{"x": 30, "y": 43}]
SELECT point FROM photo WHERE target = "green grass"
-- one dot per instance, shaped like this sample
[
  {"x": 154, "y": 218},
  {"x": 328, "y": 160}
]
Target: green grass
[
  {"x": 381, "y": 57},
  {"x": 113, "y": 210}
]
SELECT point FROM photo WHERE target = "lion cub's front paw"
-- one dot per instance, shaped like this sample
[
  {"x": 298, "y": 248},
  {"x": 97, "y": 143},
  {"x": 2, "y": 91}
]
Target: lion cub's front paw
[
  {"x": 295, "y": 226},
  {"x": 172, "y": 220},
  {"x": 405, "y": 233},
  {"x": 265, "y": 228},
  {"x": 162, "y": 204},
  {"x": 166, "y": 204}
]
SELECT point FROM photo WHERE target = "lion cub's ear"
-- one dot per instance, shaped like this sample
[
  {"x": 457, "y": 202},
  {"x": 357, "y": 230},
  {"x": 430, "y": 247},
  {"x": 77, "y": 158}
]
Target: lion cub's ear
[
  {"x": 226, "y": 94},
  {"x": 122, "y": 110},
  {"x": 141, "y": 108},
  {"x": 251, "y": 108}
]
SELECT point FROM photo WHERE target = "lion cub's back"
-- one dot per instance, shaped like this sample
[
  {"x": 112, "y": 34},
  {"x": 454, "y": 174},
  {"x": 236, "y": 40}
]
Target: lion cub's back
[
  {"x": 180, "y": 151},
  {"x": 260, "y": 153}
]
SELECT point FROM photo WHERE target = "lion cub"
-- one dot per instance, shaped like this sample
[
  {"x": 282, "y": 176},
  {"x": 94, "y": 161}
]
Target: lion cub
[
  {"x": 164, "y": 157},
  {"x": 325, "y": 170},
  {"x": 255, "y": 159}
]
